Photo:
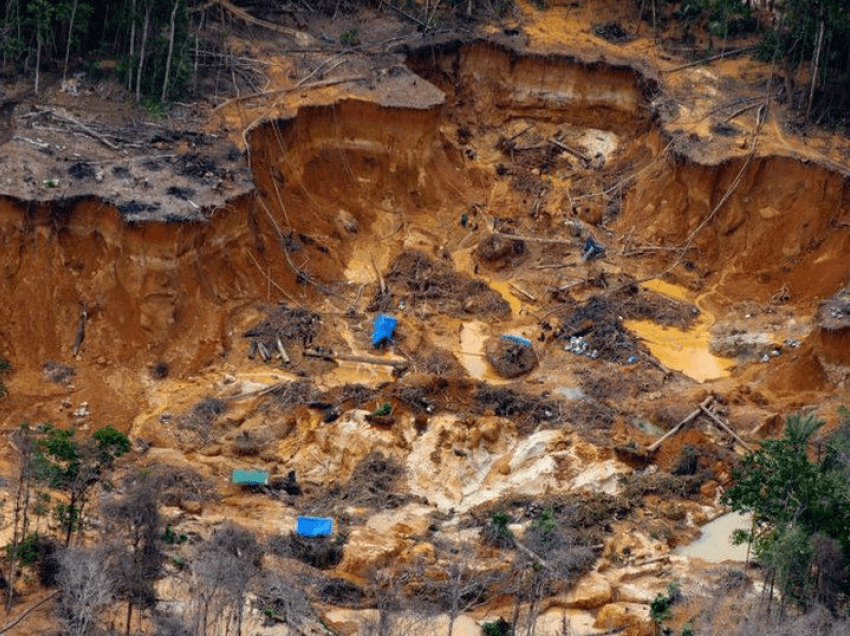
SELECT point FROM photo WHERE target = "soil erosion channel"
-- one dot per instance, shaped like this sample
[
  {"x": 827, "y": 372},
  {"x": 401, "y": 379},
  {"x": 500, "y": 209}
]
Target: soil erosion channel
[{"x": 495, "y": 193}]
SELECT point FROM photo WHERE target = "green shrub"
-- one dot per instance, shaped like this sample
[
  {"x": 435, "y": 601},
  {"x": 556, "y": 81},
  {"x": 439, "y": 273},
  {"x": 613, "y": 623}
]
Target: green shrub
[
  {"x": 496, "y": 532},
  {"x": 496, "y": 628}
]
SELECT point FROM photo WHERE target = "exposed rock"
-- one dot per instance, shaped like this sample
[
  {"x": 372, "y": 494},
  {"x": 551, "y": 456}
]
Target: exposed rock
[
  {"x": 632, "y": 617},
  {"x": 592, "y": 592}
]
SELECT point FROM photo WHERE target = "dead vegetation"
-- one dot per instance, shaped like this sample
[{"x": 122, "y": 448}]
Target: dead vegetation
[
  {"x": 57, "y": 372},
  {"x": 377, "y": 482},
  {"x": 248, "y": 444},
  {"x": 201, "y": 418},
  {"x": 433, "y": 360},
  {"x": 177, "y": 484},
  {"x": 502, "y": 250},
  {"x": 527, "y": 411},
  {"x": 290, "y": 395},
  {"x": 663, "y": 484},
  {"x": 283, "y": 328},
  {"x": 319, "y": 552},
  {"x": 428, "y": 285}
]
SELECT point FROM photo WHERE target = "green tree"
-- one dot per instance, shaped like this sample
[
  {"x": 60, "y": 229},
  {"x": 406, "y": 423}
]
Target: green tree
[
  {"x": 74, "y": 466},
  {"x": 42, "y": 16},
  {"x": 797, "y": 503}
]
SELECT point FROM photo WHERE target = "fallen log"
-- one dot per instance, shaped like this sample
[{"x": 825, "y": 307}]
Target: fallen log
[
  {"x": 725, "y": 427},
  {"x": 333, "y": 357},
  {"x": 691, "y": 416},
  {"x": 284, "y": 356},
  {"x": 28, "y": 611},
  {"x": 575, "y": 153},
  {"x": 76, "y": 122},
  {"x": 81, "y": 333}
]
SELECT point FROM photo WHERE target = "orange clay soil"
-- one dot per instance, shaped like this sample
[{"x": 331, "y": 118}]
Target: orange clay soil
[{"x": 533, "y": 132}]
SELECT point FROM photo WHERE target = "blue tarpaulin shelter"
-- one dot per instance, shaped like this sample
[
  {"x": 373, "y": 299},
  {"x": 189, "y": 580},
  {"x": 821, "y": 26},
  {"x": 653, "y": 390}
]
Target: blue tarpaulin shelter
[
  {"x": 382, "y": 329},
  {"x": 315, "y": 526},
  {"x": 250, "y": 477}
]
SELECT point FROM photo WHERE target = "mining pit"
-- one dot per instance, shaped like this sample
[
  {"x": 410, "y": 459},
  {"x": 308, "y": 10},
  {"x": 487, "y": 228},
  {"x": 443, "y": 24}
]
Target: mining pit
[{"x": 572, "y": 266}]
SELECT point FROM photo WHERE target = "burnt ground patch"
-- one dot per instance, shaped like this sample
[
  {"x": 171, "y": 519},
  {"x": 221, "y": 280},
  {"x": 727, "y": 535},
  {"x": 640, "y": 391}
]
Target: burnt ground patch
[{"x": 197, "y": 167}]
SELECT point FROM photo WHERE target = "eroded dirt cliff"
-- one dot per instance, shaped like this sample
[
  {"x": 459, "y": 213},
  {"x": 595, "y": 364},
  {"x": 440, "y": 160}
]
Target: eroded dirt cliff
[{"x": 215, "y": 298}]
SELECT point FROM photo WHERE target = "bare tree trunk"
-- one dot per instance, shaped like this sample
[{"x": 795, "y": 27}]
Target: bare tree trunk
[
  {"x": 815, "y": 65},
  {"x": 13, "y": 566},
  {"x": 132, "y": 44},
  {"x": 170, "y": 52},
  {"x": 70, "y": 35},
  {"x": 129, "y": 616},
  {"x": 37, "y": 60},
  {"x": 69, "y": 527},
  {"x": 197, "y": 54},
  {"x": 142, "y": 54}
]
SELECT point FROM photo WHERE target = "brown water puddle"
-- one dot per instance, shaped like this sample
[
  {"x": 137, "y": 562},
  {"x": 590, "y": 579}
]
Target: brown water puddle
[{"x": 683, "y": 350}]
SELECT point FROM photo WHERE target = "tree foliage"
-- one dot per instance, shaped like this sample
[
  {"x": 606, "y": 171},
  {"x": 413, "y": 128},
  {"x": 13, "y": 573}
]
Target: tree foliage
[
  {"x": 43, "y": 34},
  {"x": 801, "y": 510},
  {"x": 69, "y": 464}
]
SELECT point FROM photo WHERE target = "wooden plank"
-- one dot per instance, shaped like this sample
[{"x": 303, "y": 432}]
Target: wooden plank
[
  {"x": 575, "y": 153},
  {"x": 675, "y": 429},
  {"x": 398, "y": 364},
  {"x": 724, "y": 426}
]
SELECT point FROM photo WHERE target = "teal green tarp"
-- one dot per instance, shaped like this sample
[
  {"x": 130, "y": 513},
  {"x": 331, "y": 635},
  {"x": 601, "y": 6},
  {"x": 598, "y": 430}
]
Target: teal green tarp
[{"x": 250, "y": 477}]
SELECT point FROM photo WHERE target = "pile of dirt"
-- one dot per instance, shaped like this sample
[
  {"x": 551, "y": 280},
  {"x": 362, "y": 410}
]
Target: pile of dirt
[
  {"x": 425, "y": 283},
  {"x": 498, "y": 250},
  {"x": 510, "y": 358}
]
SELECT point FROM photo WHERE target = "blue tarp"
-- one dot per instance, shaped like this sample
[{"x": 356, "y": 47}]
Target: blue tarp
[
  {"x": 315, "y": 526},
  {"x": 250, "y": 477},
  {"x": 382, "y": 329},
  {"x": 592, "y": 249},
  {"x": 525, "y": 342}
]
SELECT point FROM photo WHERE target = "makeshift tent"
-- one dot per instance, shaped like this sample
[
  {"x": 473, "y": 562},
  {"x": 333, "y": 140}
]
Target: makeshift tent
[
  {"x": 315, "y": 526},
  {"x": 382, "y": 329},
  {"x": 250, "y": 477}
]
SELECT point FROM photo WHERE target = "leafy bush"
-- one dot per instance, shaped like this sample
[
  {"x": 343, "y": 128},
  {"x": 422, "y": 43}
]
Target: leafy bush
[
  {"x": 496, "y": 532},
  {"x": 496, "y": 628}
]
